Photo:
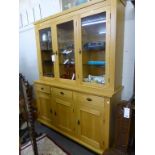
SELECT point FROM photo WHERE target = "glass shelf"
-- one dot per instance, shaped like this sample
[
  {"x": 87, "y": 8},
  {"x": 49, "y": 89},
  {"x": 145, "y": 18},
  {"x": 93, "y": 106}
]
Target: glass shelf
[{"x": 99, "y": 66}]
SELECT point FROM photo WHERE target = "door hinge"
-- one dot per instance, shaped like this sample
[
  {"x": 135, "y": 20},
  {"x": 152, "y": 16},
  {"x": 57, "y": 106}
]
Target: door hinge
[
  {"x": 73, "y": 110},
  {"x": 110, "y": 15},
  {"x": 78, "y": 76}
]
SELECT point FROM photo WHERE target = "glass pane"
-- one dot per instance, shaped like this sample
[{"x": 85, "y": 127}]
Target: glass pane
[
  {"x": 93, "y": 48},
  {"x": 67, "y": 4},
  {"x": 65, "y": 36},
  {"x": 46, "y": 52}
]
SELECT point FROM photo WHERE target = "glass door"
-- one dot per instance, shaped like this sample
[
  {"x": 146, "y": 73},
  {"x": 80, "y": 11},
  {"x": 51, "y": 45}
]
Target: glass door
[
  {"x": 94, "y": 48},
  {"x": 66, "y": 50},
  {"x": 46, "y": 50}
]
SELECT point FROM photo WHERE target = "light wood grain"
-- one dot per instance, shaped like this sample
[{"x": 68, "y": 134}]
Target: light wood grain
[{"x": 82, "y": 111}]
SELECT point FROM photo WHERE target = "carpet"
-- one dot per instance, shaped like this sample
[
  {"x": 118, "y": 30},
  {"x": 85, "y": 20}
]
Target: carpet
[{"x": 46, "y": 146}]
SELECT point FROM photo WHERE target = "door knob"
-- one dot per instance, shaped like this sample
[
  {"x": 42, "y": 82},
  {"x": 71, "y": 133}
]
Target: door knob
[
  {"x": 78, "y": 122},
  {"x": 89, "y": 99}
]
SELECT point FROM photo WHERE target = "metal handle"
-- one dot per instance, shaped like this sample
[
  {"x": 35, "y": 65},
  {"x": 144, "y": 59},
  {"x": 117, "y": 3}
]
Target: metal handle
[
  {"x": 62, "y": 93},
  {"x": 50, "y": 110},
  {"x": 89, "y": 99},
  {"x": 78, "y": 122}
]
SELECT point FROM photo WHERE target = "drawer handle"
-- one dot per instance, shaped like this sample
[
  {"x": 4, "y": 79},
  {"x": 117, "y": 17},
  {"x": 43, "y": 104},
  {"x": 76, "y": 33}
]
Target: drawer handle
[
  {"x": 89, "y": 99},
  {"x": 62, "y": 93},
  {"x": 78, "y": 122},
  {"x": 42, "y": 88},
  {"x": 51, "y": 111}
]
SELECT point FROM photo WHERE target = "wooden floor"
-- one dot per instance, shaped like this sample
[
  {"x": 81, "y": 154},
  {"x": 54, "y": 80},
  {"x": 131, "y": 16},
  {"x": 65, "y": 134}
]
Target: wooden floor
[{"x": 114, "y": 151}]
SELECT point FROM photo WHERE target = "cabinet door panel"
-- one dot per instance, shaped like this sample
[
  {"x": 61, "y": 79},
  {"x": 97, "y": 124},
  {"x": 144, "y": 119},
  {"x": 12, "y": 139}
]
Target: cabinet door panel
[
  {"x": 64, "y": 115},
  {"x": 44, "y": 106},
  {"x": 46, "y": 52},
  {"x": 66, "y": 47},
  {"x": 91, "y": 126},
  {"x": 91, "y": 123},
  {"x": 95, "y": 29}
]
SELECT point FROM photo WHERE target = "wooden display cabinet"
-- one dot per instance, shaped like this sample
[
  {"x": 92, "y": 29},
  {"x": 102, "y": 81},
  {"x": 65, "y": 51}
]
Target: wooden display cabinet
[{"x": 80, "y": 55}]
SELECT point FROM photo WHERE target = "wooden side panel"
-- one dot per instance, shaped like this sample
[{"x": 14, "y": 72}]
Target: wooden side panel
[
  {"x": 119, "y": 44},
  {"x": 112, "y": 121}
]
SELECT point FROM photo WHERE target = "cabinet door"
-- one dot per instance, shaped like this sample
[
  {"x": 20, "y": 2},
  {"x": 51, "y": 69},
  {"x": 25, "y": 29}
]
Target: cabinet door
[
  {"x": 45, "y": 107},
  {"x": 66, "y": 47},
  {"x": 64, "y": 114},
  {"x": 90, "y": 122},
  {"x": 45, "y": 52},
  {"x": 94, "y": 43}
]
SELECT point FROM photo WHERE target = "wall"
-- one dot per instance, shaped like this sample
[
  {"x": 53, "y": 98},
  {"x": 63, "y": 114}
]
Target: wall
[
  {"x": 129, "y": 52},
  {"x": 32, "y": 10}
]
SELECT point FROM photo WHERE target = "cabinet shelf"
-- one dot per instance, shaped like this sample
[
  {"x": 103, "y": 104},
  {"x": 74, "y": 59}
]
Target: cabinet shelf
[
  {"x": 48, "y": 74},
  {"x": 48, "y": 62},
  {"x": 98, "y": 66},
  {"x": 93, "y": 50},
  {"x": 46, "y": 50},
  {"x": 68, "y": 64}
]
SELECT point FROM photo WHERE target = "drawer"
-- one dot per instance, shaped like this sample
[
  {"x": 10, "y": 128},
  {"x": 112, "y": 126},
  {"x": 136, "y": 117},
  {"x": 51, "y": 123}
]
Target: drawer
[
  {"x": 62, "y": 93},
  {"x": 91, "y": 99},
  {"x": 43, "y": 88}
]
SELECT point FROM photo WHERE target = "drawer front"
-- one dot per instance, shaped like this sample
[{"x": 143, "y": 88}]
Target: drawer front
[
  {"x": 43, "y": 88},
  {"x": 62, "y": 93},
  {"x": 91, "y": 99}
]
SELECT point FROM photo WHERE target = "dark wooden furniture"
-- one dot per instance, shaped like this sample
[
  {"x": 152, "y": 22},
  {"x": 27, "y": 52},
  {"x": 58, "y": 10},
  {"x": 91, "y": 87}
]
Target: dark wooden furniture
[
  {"x": 27, "y": 94},
  {"x": 122, "y": 126},
  {"x": 124, "y": 130}
]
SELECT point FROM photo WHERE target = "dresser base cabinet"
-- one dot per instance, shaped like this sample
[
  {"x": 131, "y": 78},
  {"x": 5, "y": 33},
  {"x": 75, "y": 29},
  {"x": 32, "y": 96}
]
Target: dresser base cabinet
[{"x": 83, "y": 117}]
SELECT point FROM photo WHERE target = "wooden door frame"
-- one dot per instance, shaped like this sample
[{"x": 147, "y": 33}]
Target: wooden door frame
[{"x": 108, "y": 26}]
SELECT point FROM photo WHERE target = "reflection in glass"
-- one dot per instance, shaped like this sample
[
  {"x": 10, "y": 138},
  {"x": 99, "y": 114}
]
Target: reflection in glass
[
  {"x": 46, "y": 52},
  {"x": 67, "y": 4},
  {"x": 65, "y": 33},
  {"x": 93, "y": 48}
]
